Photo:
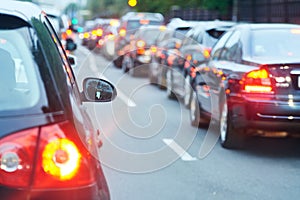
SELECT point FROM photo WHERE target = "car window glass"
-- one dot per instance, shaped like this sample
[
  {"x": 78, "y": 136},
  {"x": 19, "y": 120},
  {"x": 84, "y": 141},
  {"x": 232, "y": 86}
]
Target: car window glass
[
  {"x": 265, "y": 46},
  {"x": 18, "y": 78},
  {"x": 230, "y": 50},
  {"x": 215, "y": 53},
  {"x": 53, "y": 59},
  {"x": 149, "y": 35}
]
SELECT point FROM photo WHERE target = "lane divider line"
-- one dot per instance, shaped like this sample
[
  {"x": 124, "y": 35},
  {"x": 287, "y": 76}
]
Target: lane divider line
[{"x": 179, "y": 150}]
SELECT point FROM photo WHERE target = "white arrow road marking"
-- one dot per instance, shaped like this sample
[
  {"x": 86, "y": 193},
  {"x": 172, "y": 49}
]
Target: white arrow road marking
[{"x": 179, "y": 150}]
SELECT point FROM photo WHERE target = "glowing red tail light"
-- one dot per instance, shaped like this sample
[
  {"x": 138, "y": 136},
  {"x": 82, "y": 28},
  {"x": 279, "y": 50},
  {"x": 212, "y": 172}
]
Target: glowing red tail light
[
  {"x": 99, "y": 32},
  {"x": 206, "y": 52},
  {"x": 47, "y": 157},
  {"x": 62, "y": 161},
  {"x": 140, "y": 44},
  {"x": 122, "y": 32},
  {"x": 257, "y": 81}
]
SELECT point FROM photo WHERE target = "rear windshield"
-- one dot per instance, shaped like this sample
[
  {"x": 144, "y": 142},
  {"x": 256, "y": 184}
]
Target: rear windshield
[
  {"x": 19, "y": 85},
  {"x": 276, "y": 43},
  {"x": 21, "y": 91},
  {"x": 149, "y": 35},
  {"x": 135, "y": 24}
]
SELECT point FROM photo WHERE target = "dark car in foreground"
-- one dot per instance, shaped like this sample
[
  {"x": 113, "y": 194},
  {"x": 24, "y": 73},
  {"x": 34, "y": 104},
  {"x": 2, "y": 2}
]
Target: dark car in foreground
[
  {"x": 251, "y": 84},
  {"x": 48, "y": 145}
]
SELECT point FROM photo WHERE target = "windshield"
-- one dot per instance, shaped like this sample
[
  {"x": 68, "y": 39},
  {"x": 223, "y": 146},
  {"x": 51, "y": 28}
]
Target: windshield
[{"x": 265, "y": 46}]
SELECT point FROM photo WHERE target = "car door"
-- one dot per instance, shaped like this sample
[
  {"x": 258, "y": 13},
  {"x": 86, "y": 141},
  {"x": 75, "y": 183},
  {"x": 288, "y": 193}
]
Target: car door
[
  {"x": 76, "y": 109},
  {"x": 207, "y": 82}
]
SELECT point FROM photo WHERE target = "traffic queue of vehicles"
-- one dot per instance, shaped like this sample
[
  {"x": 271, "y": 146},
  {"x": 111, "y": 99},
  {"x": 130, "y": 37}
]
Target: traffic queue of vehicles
[{"x": 244, "y": 77}]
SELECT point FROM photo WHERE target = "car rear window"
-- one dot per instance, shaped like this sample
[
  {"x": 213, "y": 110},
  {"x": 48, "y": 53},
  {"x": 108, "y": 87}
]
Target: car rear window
[
  {"x": 276, "y": 43},
  {"x": 18, "y": 78}
]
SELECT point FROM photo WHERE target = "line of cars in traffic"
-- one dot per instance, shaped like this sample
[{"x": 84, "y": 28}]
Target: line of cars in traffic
[{"x": 243, "y": 76}]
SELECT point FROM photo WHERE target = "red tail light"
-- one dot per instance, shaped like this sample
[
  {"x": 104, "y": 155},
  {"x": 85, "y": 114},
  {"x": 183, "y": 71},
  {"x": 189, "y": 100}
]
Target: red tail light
[
  {"x": 153, "y": 49},
  {"x": 62, "y": 159},
  {"x": 99, "y": 32},
  {"x": 122, "y": 32},
  {"x": 140, "y": 44},
  {"x": 48, "y": 157},
  {"x": 69, "y": 32},
  {"x": 206, "y": 52},
  {"x": 257, "y": 81},
  {"x": 17, "y": 157}
]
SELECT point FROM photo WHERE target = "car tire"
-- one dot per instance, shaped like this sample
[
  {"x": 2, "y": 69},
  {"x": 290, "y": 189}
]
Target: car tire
[
  {"x": 125, "y": 63},
  {"x": 188, "y": 92},
  {"x": 196, "y": 116},
  {"x": 231, "y": 137},
  {"x": 152, "y": 77},
  {"x": 170, "y": 93},
  {"x": 118, "y": 61},
  {"x": 161, "y": 79}
]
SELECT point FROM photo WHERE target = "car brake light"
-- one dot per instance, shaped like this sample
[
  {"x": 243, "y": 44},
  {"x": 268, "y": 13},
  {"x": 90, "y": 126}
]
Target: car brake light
[
  {"x": 86, "y": 35},
  {"x": 17, "y": 157},
  {"x": 122, "y": 32},
  {"x": 153, "y": 49},
  {"x": 62, "y": 160},
  {"x": 206, "y": 52},
  {"x": 69, "y": 32},
  {"x": 140, "y": 45},
  {"x": 144, "y": 21},
  {"x": 257, "y": 81},
  {"x": 99, "y": 32}
]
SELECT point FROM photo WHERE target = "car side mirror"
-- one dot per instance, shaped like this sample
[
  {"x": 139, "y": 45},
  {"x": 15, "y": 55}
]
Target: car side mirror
[
  {"x": 70, "y": 45},
  {"x": 98, "y": 90},
  {"x": 72, "y": 60}
]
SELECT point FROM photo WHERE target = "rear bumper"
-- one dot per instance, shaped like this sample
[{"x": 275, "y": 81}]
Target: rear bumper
[
  {"x": 90, "y": 192},
  {"x": 265, "y": 115}
]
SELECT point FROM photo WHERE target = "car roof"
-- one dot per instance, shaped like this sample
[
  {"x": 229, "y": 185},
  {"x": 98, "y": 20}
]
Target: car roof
[
  {"x": 143, "y": 15},
  {"x": 24, "y": 10},
  {"x": 254, "y": 26}
]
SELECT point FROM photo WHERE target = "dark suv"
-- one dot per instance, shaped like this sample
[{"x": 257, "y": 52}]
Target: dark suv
[{"x": 48, "y": 145}]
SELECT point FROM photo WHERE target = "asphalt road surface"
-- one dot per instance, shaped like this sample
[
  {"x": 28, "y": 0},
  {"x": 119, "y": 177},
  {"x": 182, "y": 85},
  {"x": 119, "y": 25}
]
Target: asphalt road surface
[{"x": 150, "y": 150}]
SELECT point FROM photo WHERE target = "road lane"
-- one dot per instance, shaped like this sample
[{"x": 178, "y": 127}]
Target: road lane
[{"x": 265, "y": 169}]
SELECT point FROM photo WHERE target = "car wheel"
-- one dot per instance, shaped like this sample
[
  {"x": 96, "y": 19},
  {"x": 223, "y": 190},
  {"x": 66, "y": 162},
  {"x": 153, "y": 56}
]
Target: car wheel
[
  {"x": 118, "y": 61},
  {"x": 187, "y": 92},
  {"x": 125, "y": 64},
  {"x": 170, "y": 92},
  {"x": 194, "y": 111},
  {"x": 161, "y": 79},
  {"x": 152, "y": 77},
  {"x": 196, "y": 117},
  {"x": 230, "y": 136}
]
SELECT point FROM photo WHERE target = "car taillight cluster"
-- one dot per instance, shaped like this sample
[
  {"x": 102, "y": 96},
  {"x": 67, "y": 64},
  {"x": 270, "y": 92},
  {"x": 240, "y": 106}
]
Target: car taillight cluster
[
  {"x": 257, "y": 81},
  {"x": 122, "y": 32},
  {"x": 48, "y": 157},
  {"x": 140, "y": 44}
]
